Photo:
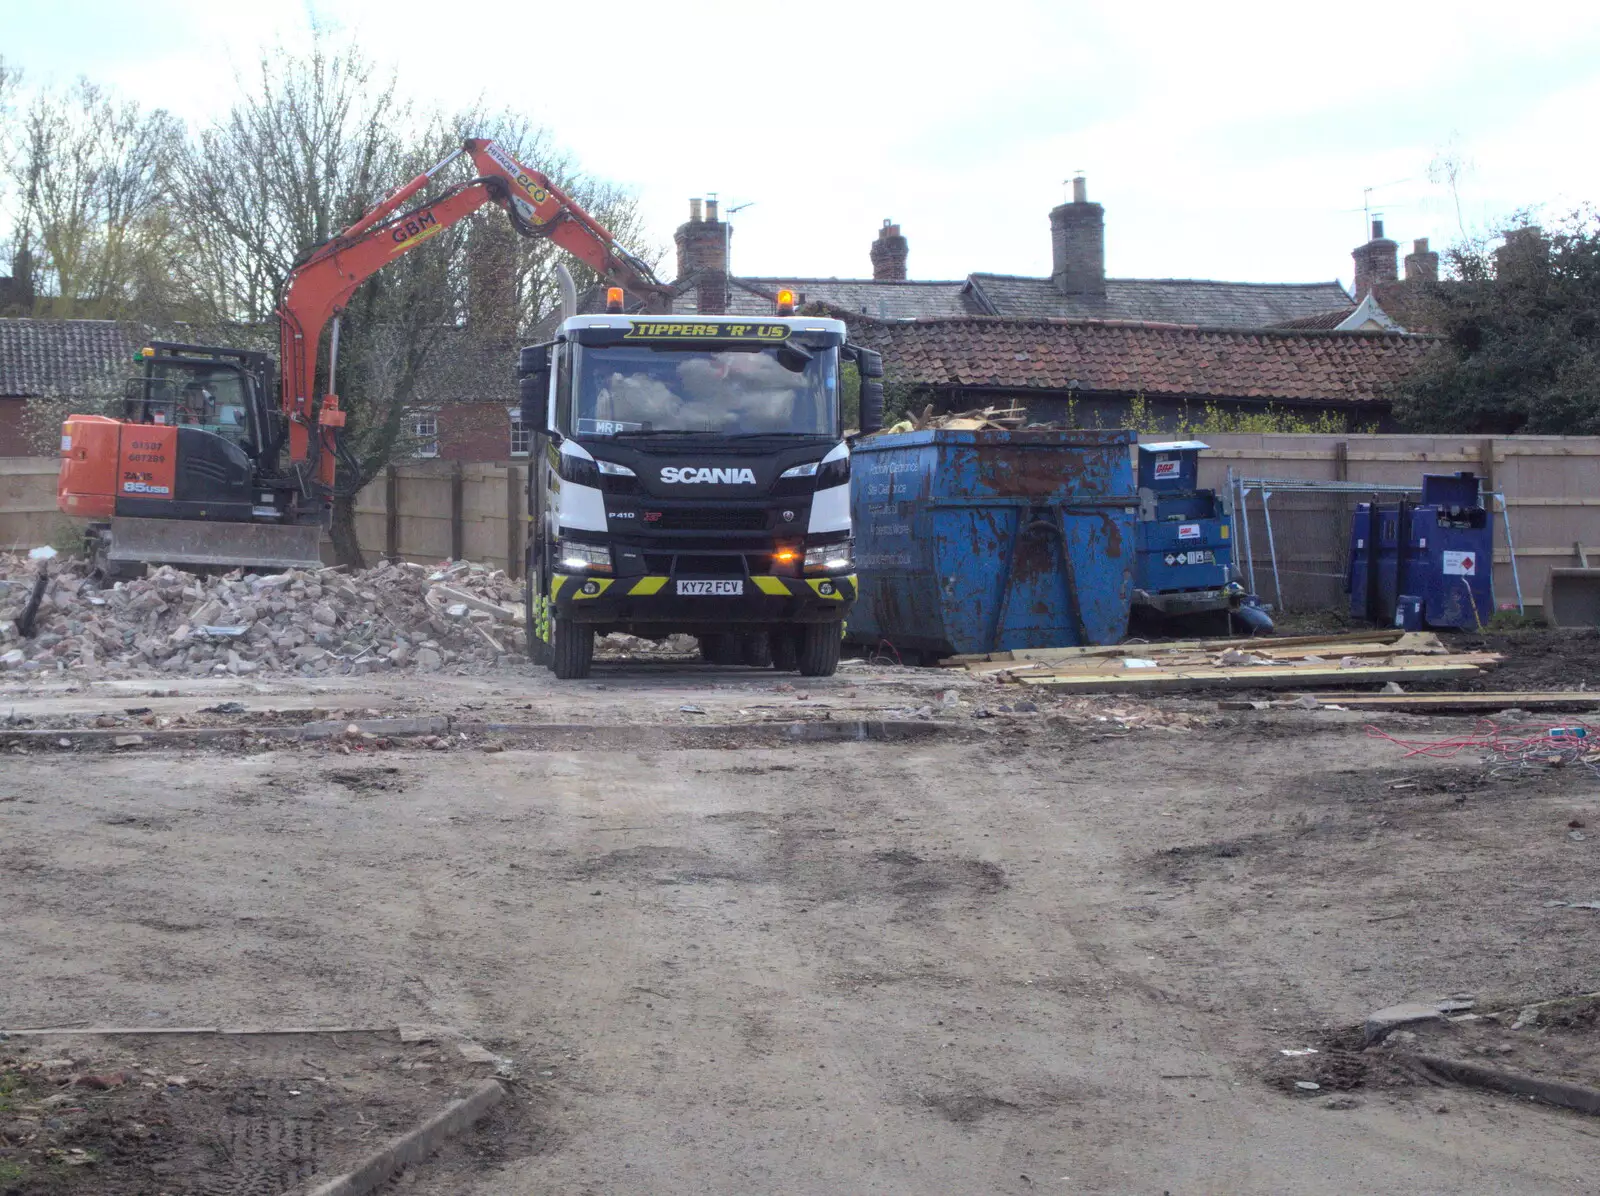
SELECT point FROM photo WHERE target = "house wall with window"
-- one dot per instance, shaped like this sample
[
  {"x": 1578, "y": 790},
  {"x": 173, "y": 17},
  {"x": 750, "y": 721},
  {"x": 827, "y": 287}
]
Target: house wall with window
[{"x": 476, "y": 432}]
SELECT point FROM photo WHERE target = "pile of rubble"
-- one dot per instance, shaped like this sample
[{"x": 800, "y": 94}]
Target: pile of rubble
[{"x": 458, "y": 615}]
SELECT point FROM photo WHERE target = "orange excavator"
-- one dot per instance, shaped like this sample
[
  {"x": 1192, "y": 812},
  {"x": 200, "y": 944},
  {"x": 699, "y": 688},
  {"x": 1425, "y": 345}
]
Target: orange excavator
[{"x": 203, "y": 470}]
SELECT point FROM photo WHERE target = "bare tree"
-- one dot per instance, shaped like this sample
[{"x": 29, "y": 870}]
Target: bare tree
[
  {"x": 316, "y": 140},
  {"x": 91, "y": 175}
]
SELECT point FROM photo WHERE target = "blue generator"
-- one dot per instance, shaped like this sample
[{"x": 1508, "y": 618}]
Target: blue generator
[
  {"x": 1185, "y": 546},
  {"x": 1428, "y": 563}
]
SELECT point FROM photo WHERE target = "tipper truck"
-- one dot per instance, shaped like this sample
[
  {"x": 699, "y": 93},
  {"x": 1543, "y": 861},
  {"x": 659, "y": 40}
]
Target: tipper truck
[{"x": 692, "y": 475}]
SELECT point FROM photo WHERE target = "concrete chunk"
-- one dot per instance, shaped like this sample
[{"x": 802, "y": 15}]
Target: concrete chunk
[{"x": 1383, "y": 1021}]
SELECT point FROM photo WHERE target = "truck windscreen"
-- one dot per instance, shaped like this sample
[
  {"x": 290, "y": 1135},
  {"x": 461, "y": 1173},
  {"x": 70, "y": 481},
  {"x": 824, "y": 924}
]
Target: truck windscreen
[{"x": 635, "y": 389}]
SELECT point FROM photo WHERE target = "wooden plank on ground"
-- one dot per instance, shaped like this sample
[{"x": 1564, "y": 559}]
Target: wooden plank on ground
[
  {"x": 1188, "y": 664},
  {"x": 1465, "y": 703},
  {"x": 1246, "y": 643},
  {"x": 502, "y": 614},
  {"x": 1383, "y": 643},
  {"x": 1255, "y": 677}
]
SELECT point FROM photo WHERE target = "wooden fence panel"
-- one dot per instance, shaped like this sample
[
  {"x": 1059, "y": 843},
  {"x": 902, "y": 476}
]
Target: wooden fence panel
[
  {"x": 1551, "y": 483},
  {"x": 28, "y": 513}
]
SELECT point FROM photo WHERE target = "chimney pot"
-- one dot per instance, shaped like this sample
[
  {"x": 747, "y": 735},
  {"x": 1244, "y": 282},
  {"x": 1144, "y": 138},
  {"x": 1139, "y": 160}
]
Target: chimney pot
[
  {"x": 1420, "y": 245},
  {"x": 1080, "y": 189},
  {"x": 1377, "y": 228},
  {"x": 711, "y": 210},
  {"x": 694, "y": 211}
]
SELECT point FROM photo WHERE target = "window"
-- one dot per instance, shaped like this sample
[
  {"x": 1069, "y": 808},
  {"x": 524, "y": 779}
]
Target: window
[
  {"x": 521, "y": 434},
  {"x": 744, "y": 392},
  {"x": 425, "y": 428}
]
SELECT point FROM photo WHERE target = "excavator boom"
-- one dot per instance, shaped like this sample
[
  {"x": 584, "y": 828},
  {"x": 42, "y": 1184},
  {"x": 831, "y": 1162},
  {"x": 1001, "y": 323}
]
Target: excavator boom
[{"x": 319, "y": 286}]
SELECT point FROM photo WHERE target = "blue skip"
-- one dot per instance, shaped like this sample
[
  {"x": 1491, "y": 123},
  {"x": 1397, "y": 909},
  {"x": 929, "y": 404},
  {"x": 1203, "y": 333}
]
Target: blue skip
[{"x": 985, "y": 541}]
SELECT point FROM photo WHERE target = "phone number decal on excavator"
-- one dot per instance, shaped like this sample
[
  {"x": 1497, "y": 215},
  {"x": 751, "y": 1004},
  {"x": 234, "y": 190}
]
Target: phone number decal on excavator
[{"x": 657, "y": 330}]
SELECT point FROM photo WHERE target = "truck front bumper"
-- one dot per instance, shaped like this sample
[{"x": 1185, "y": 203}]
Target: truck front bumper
[{"x": 655, "y": 600}]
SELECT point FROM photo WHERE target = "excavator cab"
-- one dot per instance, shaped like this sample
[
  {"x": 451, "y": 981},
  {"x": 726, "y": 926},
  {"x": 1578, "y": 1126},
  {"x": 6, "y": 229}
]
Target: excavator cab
[{"x": 222, "y": 391}]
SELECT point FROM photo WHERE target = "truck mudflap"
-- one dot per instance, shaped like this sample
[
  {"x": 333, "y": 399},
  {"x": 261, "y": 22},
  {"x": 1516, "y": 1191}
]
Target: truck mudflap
[{"x": 657, "y": 600}]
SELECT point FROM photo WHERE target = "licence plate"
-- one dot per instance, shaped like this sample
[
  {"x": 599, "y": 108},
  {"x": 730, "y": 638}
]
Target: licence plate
[{"x": 717, "y": 588}]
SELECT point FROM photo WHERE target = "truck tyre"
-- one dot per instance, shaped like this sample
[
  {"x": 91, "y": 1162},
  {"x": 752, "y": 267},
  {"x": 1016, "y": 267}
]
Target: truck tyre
[
  {"x": 571, "y": 649},
  {"x": 785, "y": 650},
  {"x": 710, "y": 648},
  {"x": 533, "y": 606},
  {"x": 758, "y": 650},
  {"x": 819, "y": 649}
]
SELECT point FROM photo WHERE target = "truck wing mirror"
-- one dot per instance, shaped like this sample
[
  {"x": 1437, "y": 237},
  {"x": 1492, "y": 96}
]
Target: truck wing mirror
[
  {"x": 533, "y": 385},
  {"x": 870, "y": 363},
  {"x": 534, "y": 392}
]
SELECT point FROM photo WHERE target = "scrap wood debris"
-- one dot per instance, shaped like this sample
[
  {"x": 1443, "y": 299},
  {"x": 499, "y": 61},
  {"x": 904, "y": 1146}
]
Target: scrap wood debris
[
  {"x": 979, "y": 419},
  {"x": 1304, "y": 662},
  {"x": 320, "y": 621}
]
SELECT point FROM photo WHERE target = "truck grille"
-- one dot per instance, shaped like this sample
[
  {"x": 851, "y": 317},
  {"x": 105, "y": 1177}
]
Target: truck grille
[{"x": 709, "y": 519}]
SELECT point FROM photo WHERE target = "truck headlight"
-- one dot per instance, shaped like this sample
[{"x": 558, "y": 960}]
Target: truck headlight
[
  {"x": 828, "y": 558},
  {"x": 585, "y": 558},
  {"x": 613, "y": 470},
  {"x": 808, "y": 470}
]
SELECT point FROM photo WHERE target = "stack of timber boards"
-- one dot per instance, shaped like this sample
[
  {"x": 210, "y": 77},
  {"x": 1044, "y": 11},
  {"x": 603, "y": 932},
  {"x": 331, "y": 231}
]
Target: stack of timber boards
[{"x": 1289, "y": 662}]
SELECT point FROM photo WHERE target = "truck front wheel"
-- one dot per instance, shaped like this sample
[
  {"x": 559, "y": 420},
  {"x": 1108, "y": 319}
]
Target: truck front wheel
[
  {"x": 819, "y": 649},
  {"x": 571, "y": 649}
]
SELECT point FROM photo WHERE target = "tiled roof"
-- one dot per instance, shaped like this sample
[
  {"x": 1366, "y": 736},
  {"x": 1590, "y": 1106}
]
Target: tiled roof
[
  {"x": 859, "y": 296},
  {"x": 1413, "y": 305},
  {"x": 1168, "y": 300},
  {"x": 1182, "y": 301},
  {"x": 1324, "y": 320},
  {"x": 1155, "y": 359},
  {"x": 68, "y": 357}
]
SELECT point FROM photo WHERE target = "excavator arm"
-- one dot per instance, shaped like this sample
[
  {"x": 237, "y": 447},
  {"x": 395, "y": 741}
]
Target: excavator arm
[{"x": 320, "y": 285}]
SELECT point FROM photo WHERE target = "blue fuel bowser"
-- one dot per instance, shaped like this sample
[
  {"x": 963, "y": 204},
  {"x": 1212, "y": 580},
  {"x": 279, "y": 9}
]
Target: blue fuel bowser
[
  {"x": 1184, "y": 536},
  {"x": 1427, "y": 563}
]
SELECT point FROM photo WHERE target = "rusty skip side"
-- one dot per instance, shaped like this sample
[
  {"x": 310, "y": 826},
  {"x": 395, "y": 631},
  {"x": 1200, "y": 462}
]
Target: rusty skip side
[{"x": 993, "y": 540}]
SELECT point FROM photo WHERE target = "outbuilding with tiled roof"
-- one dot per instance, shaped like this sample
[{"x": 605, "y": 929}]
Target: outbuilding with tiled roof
[{"x": 1089, "y": 371}]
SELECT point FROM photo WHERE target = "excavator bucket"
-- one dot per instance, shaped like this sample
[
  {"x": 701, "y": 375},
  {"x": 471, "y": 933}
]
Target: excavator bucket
[
  {"x": 1572, "y": 598},
  {"x": 190, "y": 543}
]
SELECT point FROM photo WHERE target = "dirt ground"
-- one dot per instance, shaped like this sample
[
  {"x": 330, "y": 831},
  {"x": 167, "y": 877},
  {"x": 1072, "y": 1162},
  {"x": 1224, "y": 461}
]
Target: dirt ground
[
  {"x": 134, "y": 1115},
  {"x": 1053, "y": 949}
]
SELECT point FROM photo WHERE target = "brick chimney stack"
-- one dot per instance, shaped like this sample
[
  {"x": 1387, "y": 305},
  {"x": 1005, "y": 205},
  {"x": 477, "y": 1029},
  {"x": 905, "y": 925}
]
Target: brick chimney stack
[
  {"x": 889, "y": 254},
  {"x": 1422, "y": 264},
  {"x": 1078, "y": 244},
  {"x": 1377, "y": 261},
  {"x": 492, "y": 284},
  {"x": 1525, "y": 254},
  {"x": 703, "y": 252}
]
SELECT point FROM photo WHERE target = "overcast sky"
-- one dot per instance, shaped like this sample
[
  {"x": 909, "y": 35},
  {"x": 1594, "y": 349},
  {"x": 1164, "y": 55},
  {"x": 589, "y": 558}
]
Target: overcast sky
[{"x": 1226, "y": 140}]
